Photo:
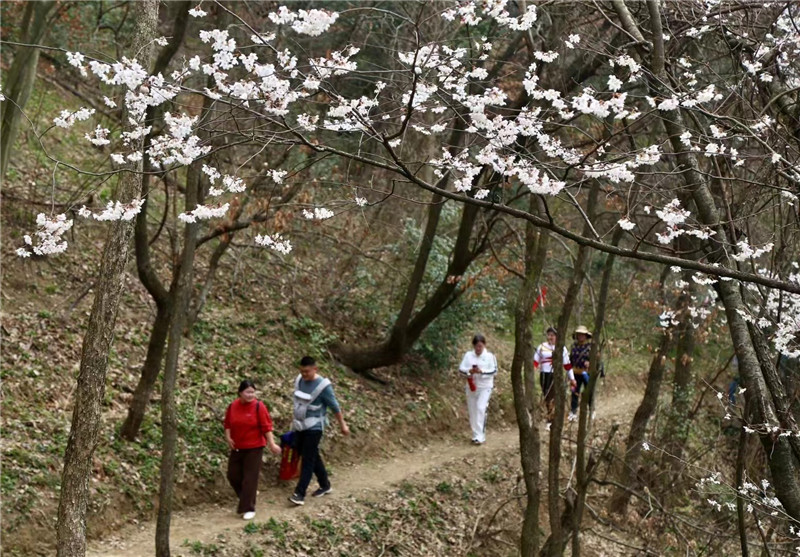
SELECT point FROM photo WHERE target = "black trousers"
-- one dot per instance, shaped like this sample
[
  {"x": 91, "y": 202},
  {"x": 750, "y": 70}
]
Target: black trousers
[
  {"x": 581, "y": 379},
  {"x": 244, "y": 465},
  {"x": 549, "y": 394},
  {"x": 308, "y": 447}
]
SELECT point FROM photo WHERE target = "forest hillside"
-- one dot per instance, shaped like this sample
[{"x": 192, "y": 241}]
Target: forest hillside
[{"x": 546, "y": 253}]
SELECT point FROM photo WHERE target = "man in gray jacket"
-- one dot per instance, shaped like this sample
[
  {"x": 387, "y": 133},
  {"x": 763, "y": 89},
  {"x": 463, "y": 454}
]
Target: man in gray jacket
[{"x": 313, "y": 396}]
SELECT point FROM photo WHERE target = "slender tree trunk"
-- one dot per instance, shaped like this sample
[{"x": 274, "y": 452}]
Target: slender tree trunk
[
  {"x": 149, "y": 374},
  {"x": 781, "y": 452},
  {"x": 678, "y": 425},
  {"x": 179, "y": 12},
  {"x": 583, "y": 470},
  {"x": 205, "y": 290},
  {"x": 555, "y": 543},
  {"x": 169, "y": 418},
  {"x": 741, "y": 515},
  {"x": 524, "y": 385},
  {"x": 71, "y": 526},
  {"x": 646, "y": 409},
  {"x": 401, "y": 339},
  {"x": 181, "y": 290},
  {"x": 18, "y": 84}
]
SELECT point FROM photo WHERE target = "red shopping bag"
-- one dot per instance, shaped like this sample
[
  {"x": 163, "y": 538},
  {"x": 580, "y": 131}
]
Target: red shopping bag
[{"x": 290, "y": 459}]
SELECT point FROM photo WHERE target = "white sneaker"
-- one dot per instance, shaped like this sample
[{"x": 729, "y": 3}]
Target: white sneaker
[{"x": 249, "y": 515}]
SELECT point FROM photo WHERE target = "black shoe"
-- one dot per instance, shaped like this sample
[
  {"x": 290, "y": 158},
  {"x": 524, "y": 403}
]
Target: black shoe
[
  {"x": 322, "y": 491},
  {"x": 298, "y": 500}
]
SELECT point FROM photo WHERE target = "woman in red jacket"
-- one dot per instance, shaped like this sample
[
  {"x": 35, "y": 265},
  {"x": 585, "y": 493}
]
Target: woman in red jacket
[{"x": 248, "y": 429}]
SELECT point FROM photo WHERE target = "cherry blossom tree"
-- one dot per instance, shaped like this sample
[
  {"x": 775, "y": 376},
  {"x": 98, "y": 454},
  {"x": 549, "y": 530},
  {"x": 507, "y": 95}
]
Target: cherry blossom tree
[{"x": 673, "y": 122}]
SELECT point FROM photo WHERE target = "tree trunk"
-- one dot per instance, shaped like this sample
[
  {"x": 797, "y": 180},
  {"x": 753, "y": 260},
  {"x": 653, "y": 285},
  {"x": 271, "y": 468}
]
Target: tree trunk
[
  {"x": 71, "y": 526},
  {"x": 524, "y": 385},
  {"x": 633, "y": 445},
  {"x": 741, "y": 516},
  {"x": 676, "y": 432},
  {"x": 169, "y": 419},
  {"x": 402, "y": 338},
  {"x": 779, "y": 451},
  {"x": 181, "y": 292},
  {"x": 205, "y": 290},
  {"x": 164, "y": 300},
  {"x": 21, "y": 76},
  {"x": 555, "y": 543},
  {"x": 149, "y": 374},
  {"x": 583, "y": 470}
]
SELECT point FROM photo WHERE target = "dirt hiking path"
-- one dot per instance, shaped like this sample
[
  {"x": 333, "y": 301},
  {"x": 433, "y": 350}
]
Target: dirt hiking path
[{"x": 368, "y": 478}]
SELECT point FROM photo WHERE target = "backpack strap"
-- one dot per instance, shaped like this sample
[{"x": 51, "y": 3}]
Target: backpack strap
[{"x": 324, "y": 384}]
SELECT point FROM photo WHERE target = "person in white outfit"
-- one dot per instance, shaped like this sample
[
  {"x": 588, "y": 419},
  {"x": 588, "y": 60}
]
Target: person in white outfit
[
  {"x": 478, "y": 367},
  {"x": 543, "y": 361}
]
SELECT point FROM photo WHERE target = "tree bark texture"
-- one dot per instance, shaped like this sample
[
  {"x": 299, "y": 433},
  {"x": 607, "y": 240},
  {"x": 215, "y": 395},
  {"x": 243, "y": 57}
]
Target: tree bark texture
[
  {"x": 524, "y": 385},
  {"x": 18, "y": 84},
  {"x": 71, "y": 525},
  {"x": 149, "y": 373},
  {"x": 780, "y": 453},
  {"x": 646, "y": 409},
  {"x": 169, "y": 418},
  {"x": 676, "y": 432},
  {"x": 555, "y": 543},
  {"x": 583, "y": 471},
  {"x": 163, "y": 299}
]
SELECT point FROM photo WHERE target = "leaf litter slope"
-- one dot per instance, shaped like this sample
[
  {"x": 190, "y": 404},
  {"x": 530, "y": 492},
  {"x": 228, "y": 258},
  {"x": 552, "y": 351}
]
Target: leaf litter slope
[{"x": 369, "y": 478}]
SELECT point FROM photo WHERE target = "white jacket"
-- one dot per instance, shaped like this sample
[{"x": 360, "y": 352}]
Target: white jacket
[{"x": 487, "y": 364}]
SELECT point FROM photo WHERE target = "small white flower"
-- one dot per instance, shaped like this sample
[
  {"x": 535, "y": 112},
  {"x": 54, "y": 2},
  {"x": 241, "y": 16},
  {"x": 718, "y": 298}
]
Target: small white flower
[
  {"x": 625, "y": 224},
  {"x": 645, "y": 446},
  {"x": 197, "y": 12},
  {"x": 614, "y": 83}
]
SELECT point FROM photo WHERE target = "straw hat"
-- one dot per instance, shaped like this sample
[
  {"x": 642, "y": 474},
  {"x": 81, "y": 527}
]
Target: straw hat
[{"x": 582, "y": 330}]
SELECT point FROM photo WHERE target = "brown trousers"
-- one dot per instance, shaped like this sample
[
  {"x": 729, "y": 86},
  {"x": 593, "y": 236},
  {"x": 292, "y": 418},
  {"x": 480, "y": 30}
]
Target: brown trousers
[{"x": 244, "y": 465}]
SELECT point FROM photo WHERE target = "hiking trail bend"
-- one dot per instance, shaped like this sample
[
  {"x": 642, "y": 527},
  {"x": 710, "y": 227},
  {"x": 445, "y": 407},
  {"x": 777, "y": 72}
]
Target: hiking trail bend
[{"x": 204, "y": 523}]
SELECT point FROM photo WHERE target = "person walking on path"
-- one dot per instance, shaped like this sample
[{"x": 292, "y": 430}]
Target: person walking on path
[
  {"x": 543, "y": 361},
  {"x": 579, "y": 376},
  {"x": 479, "y": 367},
  {"x": 248, "y": 429},
  {"x": 313, "y": 396}
]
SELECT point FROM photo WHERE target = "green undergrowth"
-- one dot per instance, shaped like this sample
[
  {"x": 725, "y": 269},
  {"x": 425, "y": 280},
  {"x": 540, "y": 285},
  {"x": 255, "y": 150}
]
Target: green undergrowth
[{"x": 39, "y": 370}]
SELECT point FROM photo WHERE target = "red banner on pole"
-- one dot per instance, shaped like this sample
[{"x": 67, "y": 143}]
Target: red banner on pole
[{"x": 539, "y": 299}]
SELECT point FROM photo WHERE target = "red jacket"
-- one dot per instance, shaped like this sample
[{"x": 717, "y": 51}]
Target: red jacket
[{"x": 241, "y": 419}]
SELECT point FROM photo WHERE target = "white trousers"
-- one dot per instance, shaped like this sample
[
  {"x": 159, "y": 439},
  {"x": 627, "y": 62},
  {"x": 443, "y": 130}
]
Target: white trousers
[{"x": 477, "y": 402}]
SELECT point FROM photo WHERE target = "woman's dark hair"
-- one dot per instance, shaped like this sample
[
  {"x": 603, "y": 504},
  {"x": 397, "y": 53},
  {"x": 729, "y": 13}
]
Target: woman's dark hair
[
  {"x": 478, "y": 338},
  {"x": 246, "y": 384},
  {"x": 551, "y": 330},
  {"x": 306, "y": 361}
]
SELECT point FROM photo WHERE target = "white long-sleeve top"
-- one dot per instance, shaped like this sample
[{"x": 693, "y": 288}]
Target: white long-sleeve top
[
  {"x": 543, "y": 359},
  {"x": 487, "y": 364}
]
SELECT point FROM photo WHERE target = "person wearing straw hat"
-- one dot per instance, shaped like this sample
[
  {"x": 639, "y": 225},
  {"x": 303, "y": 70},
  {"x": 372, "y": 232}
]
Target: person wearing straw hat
[{"x": 579, "y": 357}]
